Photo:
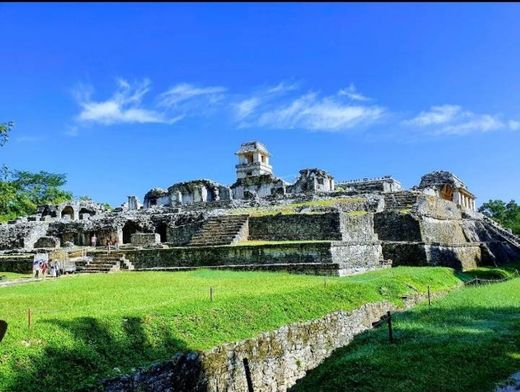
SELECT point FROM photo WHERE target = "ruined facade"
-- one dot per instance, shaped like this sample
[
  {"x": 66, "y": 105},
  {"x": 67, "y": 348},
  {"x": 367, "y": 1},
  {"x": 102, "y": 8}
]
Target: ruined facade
[
  {"x": 447, "y": 186},
  {"x": 367, "y": 185},
  {"x": 312, "y": 225}
]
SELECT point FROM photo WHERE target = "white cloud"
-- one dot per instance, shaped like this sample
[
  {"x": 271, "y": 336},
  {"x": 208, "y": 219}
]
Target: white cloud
[
  {"x": 352, "y": 93},
  {"x": 279, "y": 106},
  {"x": 282, "y": 88},
  {"x": 183, "y": 92},
  {"x": 311, "y": 112},
  {"x": 125, "y": 106},
  {"x": 514, "y": 125},
  {"x": 30, "y": 139},
  {"x": 436, "y": 115},
  {"x": 454, "y": 120},
  {"x": 246, "y": 107}
]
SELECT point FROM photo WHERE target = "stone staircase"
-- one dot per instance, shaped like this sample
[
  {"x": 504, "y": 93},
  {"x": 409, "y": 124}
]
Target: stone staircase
[
  {"x": 107, "y": 262},
  {"x": 221, "y": 230},
  {"x": 400, "y": 200},
  {"x": 502, "y": 232}
]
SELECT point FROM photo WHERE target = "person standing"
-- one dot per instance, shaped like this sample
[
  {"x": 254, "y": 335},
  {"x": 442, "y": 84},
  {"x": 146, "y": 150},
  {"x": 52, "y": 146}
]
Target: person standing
[
  {"x": 36, "y": 266},
  {"x": 43, "y": 268},
  {"x": 93, "y": 240}
]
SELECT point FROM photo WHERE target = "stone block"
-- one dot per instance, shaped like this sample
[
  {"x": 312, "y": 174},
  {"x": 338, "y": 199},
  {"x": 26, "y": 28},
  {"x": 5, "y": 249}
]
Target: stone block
[{"x": 145, "y": 239}]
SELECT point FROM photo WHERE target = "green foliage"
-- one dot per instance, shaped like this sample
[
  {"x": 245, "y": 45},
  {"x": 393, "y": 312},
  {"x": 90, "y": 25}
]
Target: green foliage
[
  {"x": 467, "y": 341},
  {"x": 5, "y": 129},
  {"x": 90, "y": 327},
  {"x": 21, "y": 192},
  {"x": 507, "y": 214}
]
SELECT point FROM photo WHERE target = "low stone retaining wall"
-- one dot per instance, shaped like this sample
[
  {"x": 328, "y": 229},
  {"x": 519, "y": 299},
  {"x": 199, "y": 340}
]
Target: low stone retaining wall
[
  {"x": 328, "y": 258},
  {"x": 459, "y": 256},
  {"x": 20, "y": 264},
  {"x": 316, "y": 252},
  {"x": 276, "y": 359}
]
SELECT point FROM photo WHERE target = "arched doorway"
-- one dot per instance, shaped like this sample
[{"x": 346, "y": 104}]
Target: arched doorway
[
  {"x": 446, "y": 192},
  {"x": 128, "y": 229},
  {"x": 67, "y": 211},
  {"x": 162, "y": 229},
  {"x": 86, "y": 211}
]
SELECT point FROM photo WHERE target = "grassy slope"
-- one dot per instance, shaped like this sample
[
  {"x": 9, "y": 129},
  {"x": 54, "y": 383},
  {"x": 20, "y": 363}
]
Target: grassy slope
[
  {"x": 86, "y": 328},
  {"x": 293, "y": 208},
  {"x": 467, "y": 341}
]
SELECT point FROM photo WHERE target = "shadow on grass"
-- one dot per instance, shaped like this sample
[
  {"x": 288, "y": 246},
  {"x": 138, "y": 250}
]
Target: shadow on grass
[
  {"x": 436, "y": 349},
  {"x": 96, "y": 353}
]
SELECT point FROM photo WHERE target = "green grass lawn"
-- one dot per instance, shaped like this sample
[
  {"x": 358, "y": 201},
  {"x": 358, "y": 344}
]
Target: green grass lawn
[
  {"x": 13, "y": 275},
  {"x": 467, "y": 341},
  {"x": 89, "y": 327}
]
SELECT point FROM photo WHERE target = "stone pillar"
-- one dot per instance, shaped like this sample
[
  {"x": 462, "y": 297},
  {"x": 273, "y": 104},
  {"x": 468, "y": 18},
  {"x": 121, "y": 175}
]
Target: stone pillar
[
  {"x": 457, "y": 197},
  {"x": 132, "y": 203}
]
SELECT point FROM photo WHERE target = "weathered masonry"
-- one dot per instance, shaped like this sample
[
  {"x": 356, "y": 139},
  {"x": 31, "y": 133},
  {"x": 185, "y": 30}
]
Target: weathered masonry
[{"x": 313, "y": 225}]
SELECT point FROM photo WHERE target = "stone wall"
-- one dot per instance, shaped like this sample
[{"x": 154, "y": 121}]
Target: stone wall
[
  {"x": 20, "y": 264},
  {"x": 21, "y": 235},
  {"x": 357, "y": 227},
  {"x": 442, "y": 231},
  {"x": 295, "y": 227},
  {"x": 186, "y": 257},
  {"x": 358, "y": 257},
  {"x": 397, "y": 226},
  {"x": 145, "y": 239},
  {"x": 460, "y": 256},
  {"x": 47, "y": 242},
  {"x": 277, "y": 359},
  {"x": 181, "y": 235}
]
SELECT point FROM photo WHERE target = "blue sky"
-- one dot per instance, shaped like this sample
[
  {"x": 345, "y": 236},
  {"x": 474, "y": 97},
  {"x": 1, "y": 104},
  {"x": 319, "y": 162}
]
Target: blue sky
[{"x": 126, "y": 97}]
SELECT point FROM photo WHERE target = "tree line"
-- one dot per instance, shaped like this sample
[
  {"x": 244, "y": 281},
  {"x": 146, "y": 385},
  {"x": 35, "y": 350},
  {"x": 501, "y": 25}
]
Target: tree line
[
  {"x": 507, "y": 214},
  {"x": 21, "y": 192}
]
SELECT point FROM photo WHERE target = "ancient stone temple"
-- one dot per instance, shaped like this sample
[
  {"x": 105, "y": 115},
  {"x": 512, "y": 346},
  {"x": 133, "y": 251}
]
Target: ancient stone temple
[
  {"x": 253, "y": 160},
  {"x": 313, "y": 225},
  {"x": 447, "y": 186},
  {"x": 380, "y": 184},
  {"x": 312, "y": 180}
]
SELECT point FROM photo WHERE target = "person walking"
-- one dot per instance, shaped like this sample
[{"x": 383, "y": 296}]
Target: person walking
[
  {"x": 36, "y": 266},
  {"x": 44, "y": 268}
]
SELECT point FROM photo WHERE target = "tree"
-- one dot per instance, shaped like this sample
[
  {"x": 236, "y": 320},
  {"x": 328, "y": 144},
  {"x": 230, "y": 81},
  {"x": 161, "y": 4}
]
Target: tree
[
  {"x": 21, "y": 192},
  {"x": 507, "y": 214},
  {"x": 5, "y": 128}
]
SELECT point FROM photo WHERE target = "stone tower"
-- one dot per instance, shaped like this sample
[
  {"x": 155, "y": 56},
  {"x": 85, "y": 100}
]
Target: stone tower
[{"x": 253, "y": 160}]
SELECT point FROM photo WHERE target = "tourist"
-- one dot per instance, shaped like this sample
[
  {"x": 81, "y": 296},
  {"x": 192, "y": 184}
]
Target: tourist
[
  {"x": 52, "y": 272},
  {"x": 109, "y": 243},
  {"x": 36, "y": 266},
  {"x": 93, "y": 240},
  {"x": 116, "y": 245},
  {"x": 44, "y": 266}
]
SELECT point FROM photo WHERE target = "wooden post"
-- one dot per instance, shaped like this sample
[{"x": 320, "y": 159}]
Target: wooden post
[
  {"x": 248, "y": 375},
  {"x": 211, "y": 294},
  {"x": 3, "y": 329},
  {"x": 429, "y": 297},
  {"x": 390, "y": 332}
]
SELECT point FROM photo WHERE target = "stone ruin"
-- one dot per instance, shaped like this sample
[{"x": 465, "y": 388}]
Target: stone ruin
[{"x": 261, "y": 222}]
